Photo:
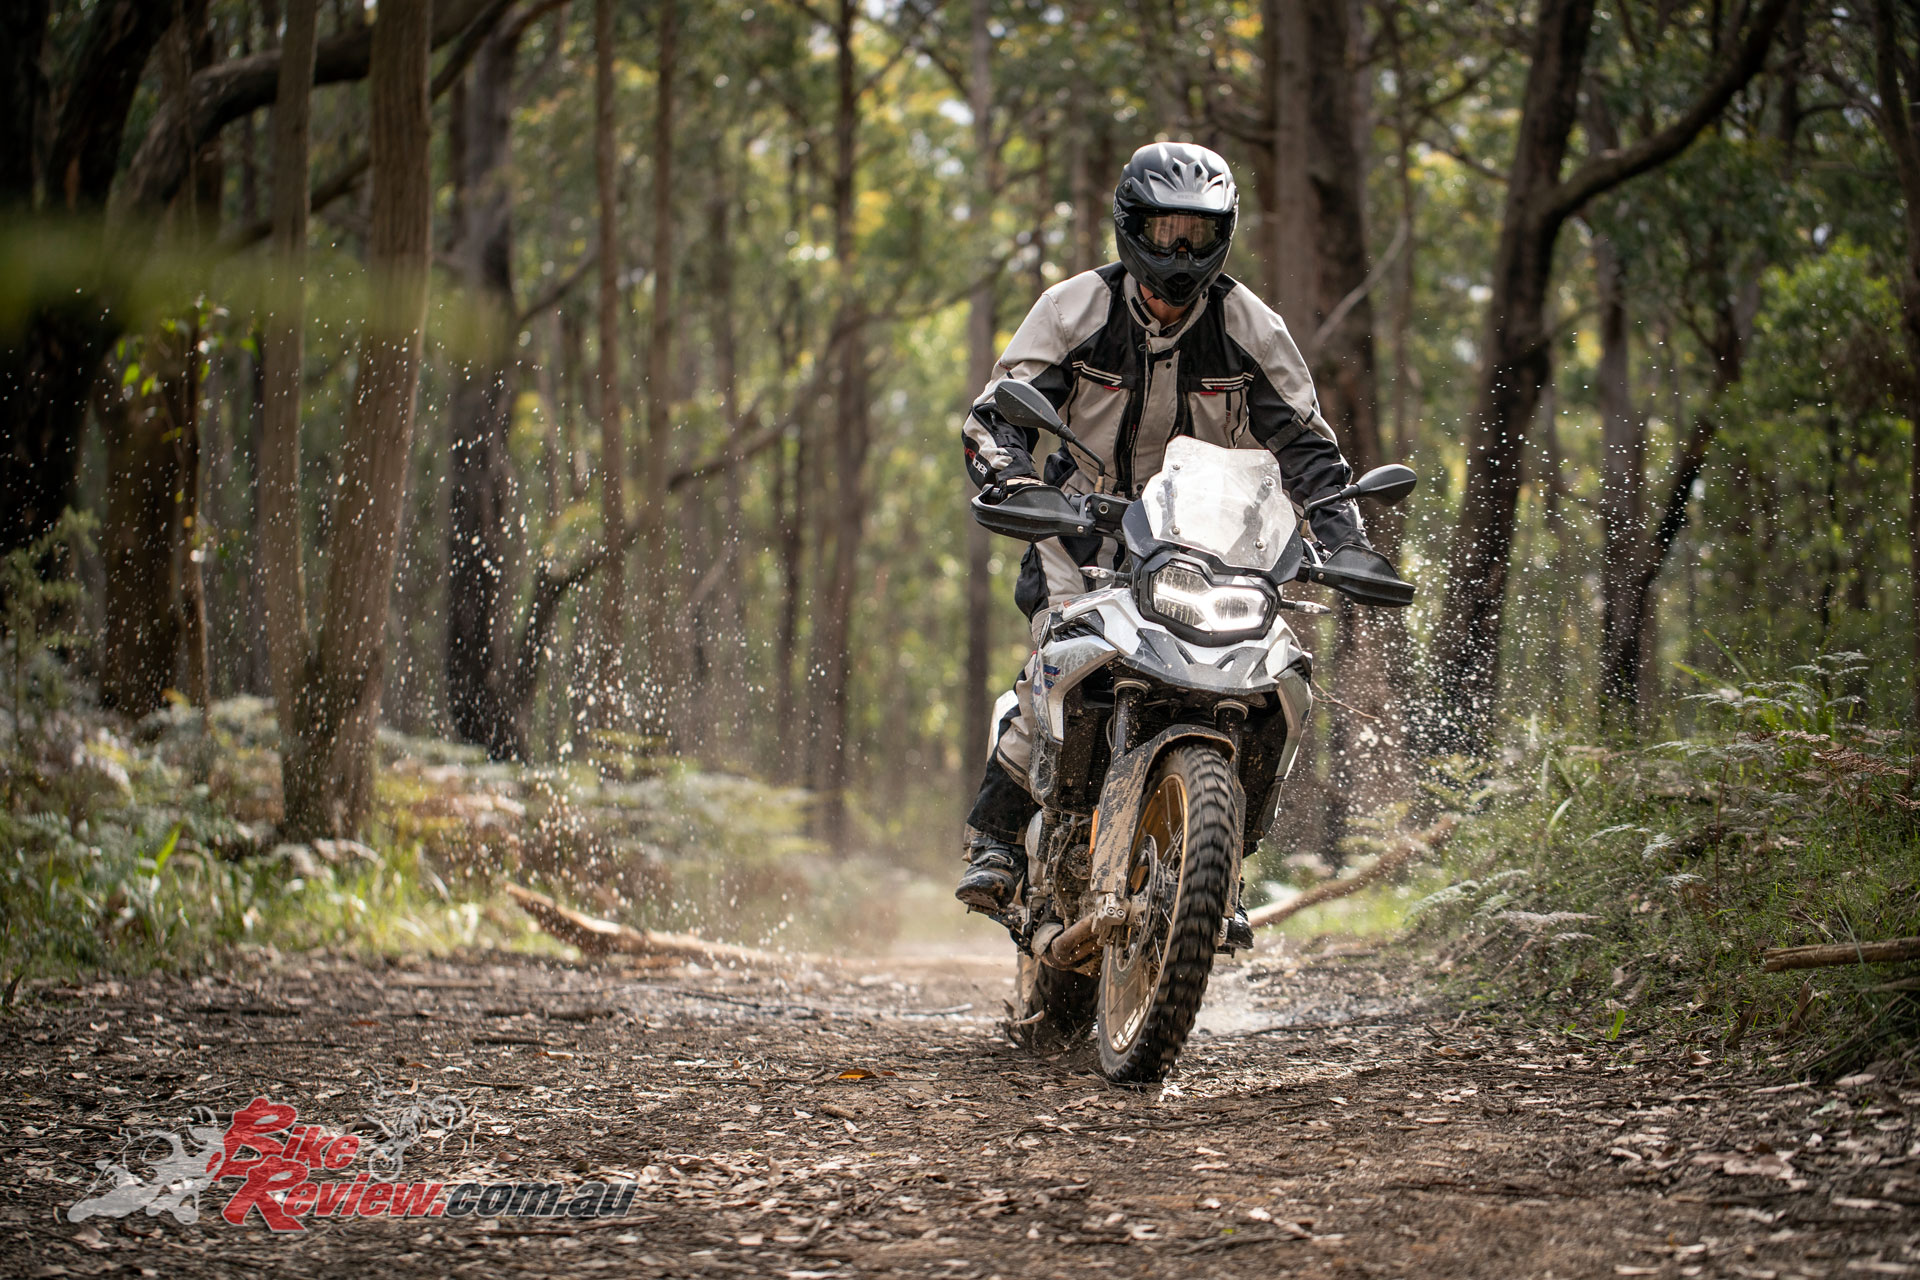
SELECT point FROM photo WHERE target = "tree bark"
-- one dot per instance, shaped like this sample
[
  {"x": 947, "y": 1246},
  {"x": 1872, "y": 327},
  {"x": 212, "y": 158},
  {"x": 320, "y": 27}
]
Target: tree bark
[
  {"x": 1370, "y": 644},
  {"x": 667, "y": 656},
  {"x": 1897, "y": 79},
  {"x": 1515, "y": 359},
  {"x": 976, "y": 699},
  {"x": 282, "y": 355},
  {"x": 846, "y": 522},
  {"x": 181, "y": 398},
  {"x": 789, "y": 502},
  {"x": 1287, "y": 197},
  {"x": 480, "y": 481},
  {"x": 608, "y": 699},
  {"x": 140, "y": 637},
  {"x": 1623, "y": 483},
  {"x": 23, "y": 100},
  {"x": 328, "y": 777},
  {"x": 729, "y": 701}
]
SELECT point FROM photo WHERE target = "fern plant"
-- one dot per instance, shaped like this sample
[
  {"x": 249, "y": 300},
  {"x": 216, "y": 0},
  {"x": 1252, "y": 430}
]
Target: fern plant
[{"x": 39, "y": 605}]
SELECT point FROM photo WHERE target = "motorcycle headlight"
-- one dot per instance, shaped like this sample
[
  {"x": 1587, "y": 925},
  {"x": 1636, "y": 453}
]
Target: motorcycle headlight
[{"x": 1182, "y": 594}]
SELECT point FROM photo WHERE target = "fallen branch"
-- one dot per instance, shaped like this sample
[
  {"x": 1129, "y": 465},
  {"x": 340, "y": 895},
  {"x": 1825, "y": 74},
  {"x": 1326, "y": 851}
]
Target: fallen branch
[
  {"x": 1774, "y": 959},
  {"x": 597, "y": 937},
  {"x": 1411, "y": 848}
]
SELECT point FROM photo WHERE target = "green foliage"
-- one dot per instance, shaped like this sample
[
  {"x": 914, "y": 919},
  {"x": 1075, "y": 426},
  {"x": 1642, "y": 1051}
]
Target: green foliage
[
  {"x": 40, "y": 601},
  {"x": 1632, "y": 891},
  {"x": 119, "y": 859}
]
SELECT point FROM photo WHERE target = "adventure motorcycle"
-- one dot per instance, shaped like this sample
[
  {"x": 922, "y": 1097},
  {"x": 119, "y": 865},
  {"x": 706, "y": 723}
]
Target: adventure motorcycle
[{"x": 1166, "y": 706}]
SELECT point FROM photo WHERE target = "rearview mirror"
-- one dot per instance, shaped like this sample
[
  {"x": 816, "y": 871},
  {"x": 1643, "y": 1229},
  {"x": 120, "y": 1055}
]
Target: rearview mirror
[
  {"x": 1385, "y": 485},
  {"x": 1388, "y": 484},
  {"x": 1023, "y": 404}
]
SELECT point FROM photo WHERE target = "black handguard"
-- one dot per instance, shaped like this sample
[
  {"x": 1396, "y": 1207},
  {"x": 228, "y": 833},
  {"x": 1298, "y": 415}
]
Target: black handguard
[{"x": 1358, "y": 571}]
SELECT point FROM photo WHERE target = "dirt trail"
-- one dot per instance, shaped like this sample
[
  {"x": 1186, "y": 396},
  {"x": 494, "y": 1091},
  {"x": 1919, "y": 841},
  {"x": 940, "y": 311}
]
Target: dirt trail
[{"x": 1323, "y": 1122}]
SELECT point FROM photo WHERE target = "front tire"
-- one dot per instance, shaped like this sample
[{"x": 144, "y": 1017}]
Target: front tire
[{"x": 1153, "y": 979}]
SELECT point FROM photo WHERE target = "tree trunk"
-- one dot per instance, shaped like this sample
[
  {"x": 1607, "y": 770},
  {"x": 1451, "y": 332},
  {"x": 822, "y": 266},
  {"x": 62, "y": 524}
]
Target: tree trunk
[
  {"x": 1897, "y": 78},
  {"x": 608, "y": 701},
  {"x": 976, "y": 699},
  {"x": 140, "y": 641},
  {"x": 846, "y": 522},
  {"x": 181, "y": 389},
  {"x": 23, "y": 99},
  {"x": 1286, "y": 196},
  {"x": 1623, "y": 445},
  {"x": 1370, "y": 644},
  {"x": 1404, "y": 277},
  {"x": 1562, "y": 570},
  {"x": 205, "y": 187},
  {"x": 729, "y": 702},
  {"x": 790, "y": 507},
  {"x": 666, "y": 667},
  {"x": 480, "y": 473},
  {"x": 282, "y": 355},
  {"x": 328, "y": 777}
]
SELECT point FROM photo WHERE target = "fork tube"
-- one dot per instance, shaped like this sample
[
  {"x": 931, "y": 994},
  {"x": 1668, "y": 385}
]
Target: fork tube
[{"x": 1125, "y": 693}]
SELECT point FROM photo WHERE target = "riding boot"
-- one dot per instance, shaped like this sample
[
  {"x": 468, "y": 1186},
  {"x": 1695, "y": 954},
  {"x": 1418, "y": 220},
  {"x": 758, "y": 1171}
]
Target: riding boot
[{"x": 996, "y": 856}]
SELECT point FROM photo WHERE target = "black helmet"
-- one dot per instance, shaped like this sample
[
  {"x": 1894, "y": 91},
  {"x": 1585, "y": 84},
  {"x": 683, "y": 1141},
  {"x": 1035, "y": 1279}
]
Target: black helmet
[{"x": 1173, "y": 216}]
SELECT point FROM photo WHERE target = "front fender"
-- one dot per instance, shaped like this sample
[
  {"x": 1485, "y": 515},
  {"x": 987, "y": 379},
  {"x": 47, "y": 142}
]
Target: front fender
[{"x": 1122, "y": 795}]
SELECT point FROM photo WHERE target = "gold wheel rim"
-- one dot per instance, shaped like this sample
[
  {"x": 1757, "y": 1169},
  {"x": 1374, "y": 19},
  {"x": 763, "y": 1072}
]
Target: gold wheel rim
[{"x": 1131, "y": 969}]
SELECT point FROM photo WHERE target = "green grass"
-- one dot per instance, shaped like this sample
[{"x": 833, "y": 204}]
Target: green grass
[{"x": 1629, "y": 892}]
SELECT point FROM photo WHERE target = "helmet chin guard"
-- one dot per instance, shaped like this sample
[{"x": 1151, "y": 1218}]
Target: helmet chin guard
[{"x": 1173, "y": 218}]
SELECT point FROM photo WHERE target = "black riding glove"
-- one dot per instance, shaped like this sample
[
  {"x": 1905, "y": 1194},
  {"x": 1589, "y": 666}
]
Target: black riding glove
[{"x": 1338, "y": 525}]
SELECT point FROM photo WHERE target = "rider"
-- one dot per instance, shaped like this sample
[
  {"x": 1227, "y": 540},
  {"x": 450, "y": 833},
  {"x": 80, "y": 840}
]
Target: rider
[{"x": 1156, "y": 345}]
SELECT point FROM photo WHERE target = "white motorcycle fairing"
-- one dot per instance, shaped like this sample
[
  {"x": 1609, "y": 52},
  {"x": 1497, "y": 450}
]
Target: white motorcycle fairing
[{"x": 1106, "y": 627}]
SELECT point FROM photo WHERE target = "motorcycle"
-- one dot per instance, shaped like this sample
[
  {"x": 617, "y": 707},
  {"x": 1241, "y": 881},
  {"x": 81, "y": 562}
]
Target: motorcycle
[{"x": 1167, "y": 706}]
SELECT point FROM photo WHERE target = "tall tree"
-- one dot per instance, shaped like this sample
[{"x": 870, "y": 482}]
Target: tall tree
[
  {"x": 846, "y": 520},
  {"x": 1896, "y": 79},
  {"x": 610, "y": 696},
  {"x": 486, "y": 690},
  {"x": 665, "y": 670},
  {"x": 327, "y": 773},
  {"x": 1286, "y": 197},
  {"x": 153, "y": 594},
  {"x": 976, "y": 698},
  {"x": 1623, "y": 485},
  {"x": 282, "y": 355},
  {"x": 1516, "y": 348},
  {"x": 1370, "y": 647}
]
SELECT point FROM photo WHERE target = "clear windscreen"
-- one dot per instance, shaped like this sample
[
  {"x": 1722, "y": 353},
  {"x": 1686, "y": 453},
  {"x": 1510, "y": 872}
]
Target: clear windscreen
[{"x": 1226, "y": 502}]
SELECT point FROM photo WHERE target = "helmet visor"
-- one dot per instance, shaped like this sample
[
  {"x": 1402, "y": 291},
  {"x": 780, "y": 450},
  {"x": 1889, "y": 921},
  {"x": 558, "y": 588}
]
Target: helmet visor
[{"x": 1166, "y": 232}]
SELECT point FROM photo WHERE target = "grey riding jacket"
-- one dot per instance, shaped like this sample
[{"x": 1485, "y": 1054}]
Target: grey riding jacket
[{"x": 1228, "y": 373}]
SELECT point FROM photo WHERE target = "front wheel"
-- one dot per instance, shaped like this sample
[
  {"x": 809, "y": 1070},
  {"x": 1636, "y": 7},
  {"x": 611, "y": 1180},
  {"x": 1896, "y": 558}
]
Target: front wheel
[{"x": 1152, "y": 980}]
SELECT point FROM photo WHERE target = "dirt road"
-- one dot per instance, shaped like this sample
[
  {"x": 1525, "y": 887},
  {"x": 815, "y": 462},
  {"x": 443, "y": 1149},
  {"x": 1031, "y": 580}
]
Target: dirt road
[{"x": 870, "y": 1119}]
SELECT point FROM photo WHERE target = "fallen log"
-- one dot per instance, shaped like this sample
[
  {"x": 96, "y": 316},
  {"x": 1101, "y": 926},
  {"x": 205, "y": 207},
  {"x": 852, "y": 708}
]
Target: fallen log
[
  {"x": 1825, "y": 955},
  {"x": 596, "y": 937},
  {"x": 1412, "y": 847}
]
